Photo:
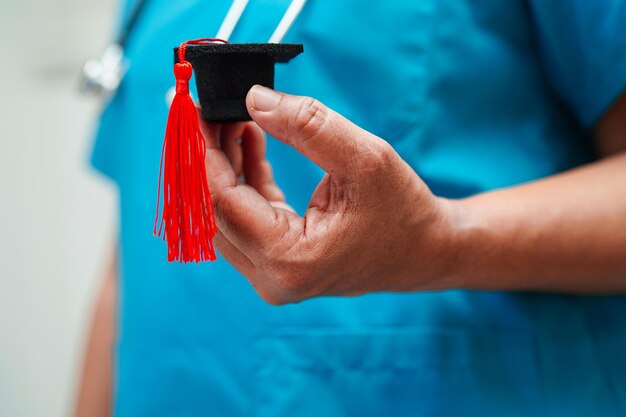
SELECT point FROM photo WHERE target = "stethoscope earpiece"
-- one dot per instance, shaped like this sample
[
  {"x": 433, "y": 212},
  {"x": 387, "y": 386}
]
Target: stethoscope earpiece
[{"x": 103, "y": 76}]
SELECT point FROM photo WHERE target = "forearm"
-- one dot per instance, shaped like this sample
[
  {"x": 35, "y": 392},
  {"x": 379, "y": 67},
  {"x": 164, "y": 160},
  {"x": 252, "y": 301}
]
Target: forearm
[
  {"x": 565, "y": 233},
  {"x": 95, "y": 389}
]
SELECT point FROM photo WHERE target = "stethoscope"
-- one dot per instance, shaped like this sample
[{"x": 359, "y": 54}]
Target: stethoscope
[{"x": 102, "y": 77}]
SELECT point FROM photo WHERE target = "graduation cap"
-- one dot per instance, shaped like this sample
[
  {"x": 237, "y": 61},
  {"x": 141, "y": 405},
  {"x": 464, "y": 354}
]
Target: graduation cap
[
  {"x": 224, "y": 75},
  {"x": 226, "y": 72}
]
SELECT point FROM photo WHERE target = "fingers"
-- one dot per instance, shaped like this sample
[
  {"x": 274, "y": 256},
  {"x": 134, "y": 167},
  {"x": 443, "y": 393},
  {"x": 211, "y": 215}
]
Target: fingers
[
  {"x": 233, "y": 255},
  {"x": 256, "y": 168},
  {"x": 219, "y": 169},
  {"x": 328, "y": 139},
  {"x": 245, "y": 217},
  {"x": 244, "y": 144},
  {"x": 253, "y": 224},
  {"x": 230, "y": 143},
  {"x": 282, "y": 205}
]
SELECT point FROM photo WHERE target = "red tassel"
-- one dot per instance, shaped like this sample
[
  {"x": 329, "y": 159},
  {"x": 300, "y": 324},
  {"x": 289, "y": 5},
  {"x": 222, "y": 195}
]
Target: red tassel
[{"x": 187, "y": 222}]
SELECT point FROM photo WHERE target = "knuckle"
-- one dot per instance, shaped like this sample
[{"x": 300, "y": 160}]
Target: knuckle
[
  {"x": 272, "y": 298},
  {"x": 309, "y": 119},
  {"x": 293, "y": 274},
  {"x": 291, "y": 283},
  {"x": 377, "y": 156},
  {"x": 295, "y": 280},
  {"x": 281, "y": 292},
  {"x": 221, "y": 205}
]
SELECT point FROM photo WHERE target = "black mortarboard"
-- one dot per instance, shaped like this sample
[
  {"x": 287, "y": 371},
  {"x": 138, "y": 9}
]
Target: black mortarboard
[
  {"x": 224, "y": 75},
  {"x": 226, "y": 72}
]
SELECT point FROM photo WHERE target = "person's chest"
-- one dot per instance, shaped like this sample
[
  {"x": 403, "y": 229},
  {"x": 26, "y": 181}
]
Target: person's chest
[
  {"x": 431, "y": 77},
  {"x": 369, "y": 62}
]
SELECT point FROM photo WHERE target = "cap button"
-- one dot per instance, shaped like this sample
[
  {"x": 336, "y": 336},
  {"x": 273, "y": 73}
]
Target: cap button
[
  {"x": 182, "y": 86},
  {"x": 182, "y": 71}
]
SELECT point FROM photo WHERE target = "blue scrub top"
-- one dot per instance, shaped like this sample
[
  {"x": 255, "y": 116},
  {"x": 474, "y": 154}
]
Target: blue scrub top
[{"x": 474, "y": 95}]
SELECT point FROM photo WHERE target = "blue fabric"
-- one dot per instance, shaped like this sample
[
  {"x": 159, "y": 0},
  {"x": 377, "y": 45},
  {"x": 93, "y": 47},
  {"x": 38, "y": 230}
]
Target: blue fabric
[{"x": 475, "y": 95}]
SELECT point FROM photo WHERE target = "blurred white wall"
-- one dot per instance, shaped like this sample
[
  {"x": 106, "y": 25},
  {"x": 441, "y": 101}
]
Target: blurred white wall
[{"x": 56, "y": 215}]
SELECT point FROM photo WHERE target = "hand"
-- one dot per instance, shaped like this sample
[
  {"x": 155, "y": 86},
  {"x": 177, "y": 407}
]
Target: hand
[{"x": 371, "y": 225}]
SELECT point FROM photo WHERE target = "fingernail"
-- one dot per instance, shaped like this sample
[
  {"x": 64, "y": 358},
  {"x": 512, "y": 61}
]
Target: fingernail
[{"x": 263, "y": 98}]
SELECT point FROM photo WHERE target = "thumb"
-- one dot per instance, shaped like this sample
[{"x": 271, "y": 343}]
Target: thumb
[{"x": 322, "y": 135}]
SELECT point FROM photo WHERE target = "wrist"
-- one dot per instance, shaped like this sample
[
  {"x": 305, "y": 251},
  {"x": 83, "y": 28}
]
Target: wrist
[
  {"x": 436, "y": 245},
  {"x": 461, "y": 234},
  {"x": 481, "y": 246}
]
